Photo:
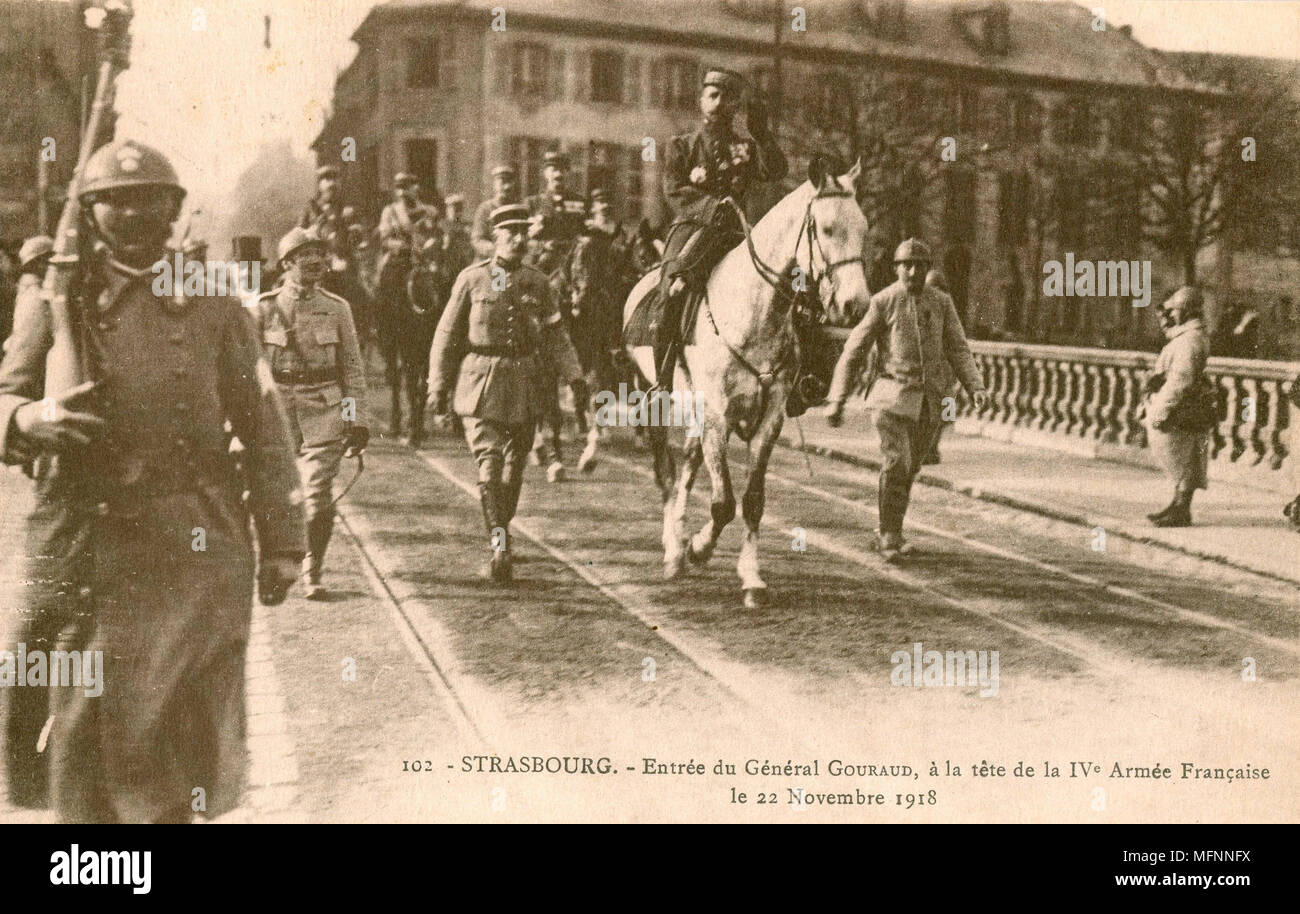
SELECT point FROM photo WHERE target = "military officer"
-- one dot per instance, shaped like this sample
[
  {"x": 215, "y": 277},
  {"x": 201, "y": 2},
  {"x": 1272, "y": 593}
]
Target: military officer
[
  {"x": 458, "y": 253},
  {"x": 918, "y": 339},
  {"x": 558, "y": 217},
  {"x": 138, "y": 547},
  {"x": 505, "y": 189},
  {"x": 701, "y": 170},
  {"x": 499, "y": 345},
  {"x": 311, "y": 345}
]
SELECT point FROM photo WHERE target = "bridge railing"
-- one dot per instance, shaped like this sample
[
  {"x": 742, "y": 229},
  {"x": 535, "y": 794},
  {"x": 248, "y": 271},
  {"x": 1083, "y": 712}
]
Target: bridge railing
[{"x": 1090, "y": 400}]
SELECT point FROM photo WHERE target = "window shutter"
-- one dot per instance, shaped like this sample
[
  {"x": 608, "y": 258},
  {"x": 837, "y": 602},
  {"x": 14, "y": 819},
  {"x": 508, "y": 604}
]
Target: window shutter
[
  {"x": 582, "y": 75},
  {"x": 505, "y": 66},
  {"x": 658, "y": 84},
  {"x": 555, "y": 65},
  {"x": 632, "y": 81}
]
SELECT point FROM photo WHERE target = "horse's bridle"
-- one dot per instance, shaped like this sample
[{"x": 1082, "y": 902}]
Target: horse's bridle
[{"x": 776, "y": 279}]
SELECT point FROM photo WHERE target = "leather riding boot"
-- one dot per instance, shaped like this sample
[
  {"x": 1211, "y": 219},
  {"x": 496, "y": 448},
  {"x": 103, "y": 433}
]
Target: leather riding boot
[
  {"x": 892, "y": 505},
  {"x": 319, "y": 530},
  {"x": 491, "y": 497},
  {"x": 1180, "y": 512},
  {"x": 510, "y": 498},
  {"x": 1165, "y": 511}
]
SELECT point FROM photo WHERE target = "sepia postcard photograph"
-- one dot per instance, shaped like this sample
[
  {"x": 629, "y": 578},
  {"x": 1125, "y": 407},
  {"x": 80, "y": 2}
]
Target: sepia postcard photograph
[{"x": 649, "y": 411}]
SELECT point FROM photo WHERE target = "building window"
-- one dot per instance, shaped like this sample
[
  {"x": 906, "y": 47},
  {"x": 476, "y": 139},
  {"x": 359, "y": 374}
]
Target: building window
[
  {"x": 422, "y": 161},
  {"x": 968, "y": 109},
  {"x": 1027, "y": 119},
  {"x": 602, "y": 167},
  {"x": 677, "y": 83},
  {"x": 530, "y": 70},
  {"x": 1071, "y": 214},
  {"x": 422, "y": 63},
  {"x": 607, "y": 77},
  {"x": 1072, "y": 123},
  {"x": 959, "y": 205},
  {"x": 633, "y": 188},
  {"x": 1013, "y": 199},
  {"x": 1126, "y": 125},
  {"x": 526, "y": 152}
]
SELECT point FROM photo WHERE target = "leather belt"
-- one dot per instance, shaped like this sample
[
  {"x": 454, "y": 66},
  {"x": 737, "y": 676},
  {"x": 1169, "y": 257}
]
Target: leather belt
[
  {"x": 505, "y": 352},
  {"x": 314, "y": 376}
]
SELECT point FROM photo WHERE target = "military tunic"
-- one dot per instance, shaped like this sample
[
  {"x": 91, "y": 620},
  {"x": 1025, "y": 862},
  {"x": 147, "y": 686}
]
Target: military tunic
[
  {"x": 310, "y": 343},
  {"x": 141, "y": 549},
  {"x": 501, "y": 349}
]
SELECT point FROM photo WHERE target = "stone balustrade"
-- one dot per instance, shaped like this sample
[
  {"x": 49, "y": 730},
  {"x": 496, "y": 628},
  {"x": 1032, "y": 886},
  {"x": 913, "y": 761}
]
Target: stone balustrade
[{"x": 1090, "y": 400}]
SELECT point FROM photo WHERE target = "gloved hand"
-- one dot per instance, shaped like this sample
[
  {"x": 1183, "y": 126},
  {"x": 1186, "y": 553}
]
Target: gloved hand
[
  {"x": 835, "y": 415},
  {"x": 62, "y": 425},
  {"x": 355, "y": 438},
  {"x": 982, "y": 399},
  {"x": 274, "y": 578},
  {"x": 581, "y": 395}
]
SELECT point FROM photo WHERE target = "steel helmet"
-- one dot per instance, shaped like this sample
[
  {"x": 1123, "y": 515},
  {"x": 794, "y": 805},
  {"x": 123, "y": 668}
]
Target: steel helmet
[
  {"x": 297, "y": 239},
  {"x": 913, "y": 249},
  {"x": 126, "y": 163}
]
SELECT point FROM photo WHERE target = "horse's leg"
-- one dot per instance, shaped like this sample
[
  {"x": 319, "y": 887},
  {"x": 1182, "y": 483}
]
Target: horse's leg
[
  {"x": 665, "y": 475},
  {"x": 605, "y": 379},
  {"x": 675, "y": 540},
  {"x": 722, "y": 510},
  {"x": 752, "y": 503}
]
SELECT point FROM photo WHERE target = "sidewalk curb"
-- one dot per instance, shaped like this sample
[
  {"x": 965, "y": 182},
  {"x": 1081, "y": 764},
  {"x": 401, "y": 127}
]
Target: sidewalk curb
[{"x": 1111, "y": 525}]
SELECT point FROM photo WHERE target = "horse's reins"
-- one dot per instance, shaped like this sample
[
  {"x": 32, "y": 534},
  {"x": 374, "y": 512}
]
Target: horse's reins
[{"x": 775, "y": 279}]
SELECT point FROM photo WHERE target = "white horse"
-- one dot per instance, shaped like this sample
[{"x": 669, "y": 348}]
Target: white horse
[{"x": 736, "y": 374}]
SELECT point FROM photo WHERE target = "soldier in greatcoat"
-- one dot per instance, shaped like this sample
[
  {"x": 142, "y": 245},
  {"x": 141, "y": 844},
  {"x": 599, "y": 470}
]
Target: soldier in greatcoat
[
  {"x": 919, "y": 341},
  {"x": 139, "y": 549}
]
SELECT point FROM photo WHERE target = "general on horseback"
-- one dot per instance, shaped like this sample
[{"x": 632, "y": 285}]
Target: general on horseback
[
  {"x": 740, "y": 349},
  {"x": 702, "y": 170}
]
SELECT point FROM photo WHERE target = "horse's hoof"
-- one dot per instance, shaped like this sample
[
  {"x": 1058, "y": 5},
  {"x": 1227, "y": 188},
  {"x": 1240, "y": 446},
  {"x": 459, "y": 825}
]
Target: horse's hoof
[
  {"x": 555, "y": 472},
  {"x": 698, "y": 558},
  {"x": 755, "y": 597},
  {"x": 587, "y": 463},
  {"x": 674, "y": 569}
]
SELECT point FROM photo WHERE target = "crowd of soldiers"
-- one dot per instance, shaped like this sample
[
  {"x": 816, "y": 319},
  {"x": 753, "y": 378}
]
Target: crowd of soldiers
[{"x": 200, "y": 426}]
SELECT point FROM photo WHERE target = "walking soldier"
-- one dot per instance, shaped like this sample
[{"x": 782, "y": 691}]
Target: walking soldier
[
  {"x": 311, "y": 345},
  {"x": 138, "y": 550},
  {"x": 918, "y": 336},
  {"x": 702, "y": 170},
  {"x": 500, "y": 342}
]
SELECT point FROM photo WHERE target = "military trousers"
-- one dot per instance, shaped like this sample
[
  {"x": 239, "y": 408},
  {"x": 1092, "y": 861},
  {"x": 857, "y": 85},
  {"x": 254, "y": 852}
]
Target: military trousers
[
  {"x": 318, "y": 464},
  {"x": 498, "y": 448},
  {"x": 904, "y": 444}
]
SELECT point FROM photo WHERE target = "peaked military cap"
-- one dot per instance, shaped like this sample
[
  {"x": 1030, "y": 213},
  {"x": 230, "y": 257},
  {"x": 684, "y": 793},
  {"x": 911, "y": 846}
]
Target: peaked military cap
[
  {"x": 555, "y": 160},
  {"x": 913, "y": 250},
  {"x": 722, "y": 78},
  {"x": 503, "y": 170},
  {"x": 327, "y": 171},
  {"x": 404, "y": 179},
  {"x": 509, "y": 215}
]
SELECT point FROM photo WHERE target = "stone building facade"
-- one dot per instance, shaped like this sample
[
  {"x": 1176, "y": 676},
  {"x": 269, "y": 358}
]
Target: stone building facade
[{"x": 1004, "y": 132}]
